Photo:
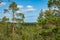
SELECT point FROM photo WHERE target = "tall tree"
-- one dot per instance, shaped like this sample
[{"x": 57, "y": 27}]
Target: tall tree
[{"x": 13, "y": 7}]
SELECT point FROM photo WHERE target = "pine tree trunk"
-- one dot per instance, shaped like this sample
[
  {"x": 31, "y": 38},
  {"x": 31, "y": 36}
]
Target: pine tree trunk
[
  {"x": 13, "y": 28},
  {"x": 13, "y": 23}
]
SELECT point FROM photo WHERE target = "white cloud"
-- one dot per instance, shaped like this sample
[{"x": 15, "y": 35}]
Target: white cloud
[
  {"x": 2, "y": 3},
  {"x": 21, "y": 11},
  {"x": 18, "y": 11},
  {"x": 27, "y": 9},
  {"x": 20, "y": 6},
  {"x": 45, "y": 9},
  {"x": 30, "y": 8}
]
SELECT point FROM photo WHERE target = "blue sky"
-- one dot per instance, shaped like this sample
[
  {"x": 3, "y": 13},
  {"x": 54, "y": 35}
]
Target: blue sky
[{"x": 30, "y": 8}]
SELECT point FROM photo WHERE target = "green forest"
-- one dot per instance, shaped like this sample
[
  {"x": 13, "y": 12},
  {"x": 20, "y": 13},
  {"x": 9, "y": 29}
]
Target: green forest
[{"x": 47, "y": 26}]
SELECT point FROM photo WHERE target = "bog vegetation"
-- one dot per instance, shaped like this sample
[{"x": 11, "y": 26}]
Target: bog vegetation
[{"x": 47, "y": 26}]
